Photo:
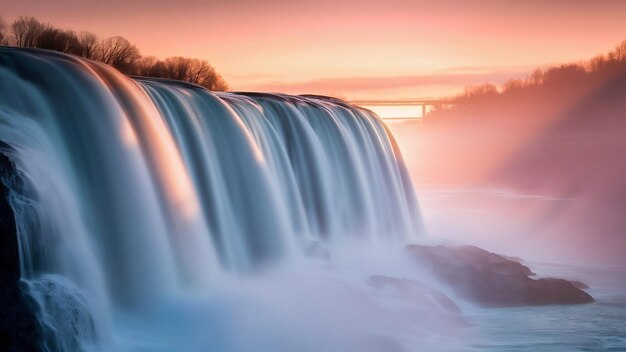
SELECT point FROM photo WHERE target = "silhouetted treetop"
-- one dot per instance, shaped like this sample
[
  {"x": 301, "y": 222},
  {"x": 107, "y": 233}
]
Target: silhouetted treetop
[
  {"x": 117, "y": 51},
  {"x": 480, "y": 91},
  {"x": 183, "y": 69},
  {"x": 88, "y": 45},
  {"x": 619, "y": 54},
  {"x": 3, "y": 33},
  {"x": 26, "y": 31},
  {"x": 567, "y": 77}
]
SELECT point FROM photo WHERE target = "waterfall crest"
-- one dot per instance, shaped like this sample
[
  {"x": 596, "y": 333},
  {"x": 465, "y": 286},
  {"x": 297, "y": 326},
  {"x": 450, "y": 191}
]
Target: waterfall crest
[{"x": 139, "y": 188}]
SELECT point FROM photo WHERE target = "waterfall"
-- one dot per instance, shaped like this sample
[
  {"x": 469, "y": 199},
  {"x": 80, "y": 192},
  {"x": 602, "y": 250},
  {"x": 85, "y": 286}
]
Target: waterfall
[{"x": 140, "y": 189}]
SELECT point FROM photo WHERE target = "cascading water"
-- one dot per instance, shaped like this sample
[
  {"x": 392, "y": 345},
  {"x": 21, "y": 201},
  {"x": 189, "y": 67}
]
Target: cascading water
[{"x": 139, "y": 191}]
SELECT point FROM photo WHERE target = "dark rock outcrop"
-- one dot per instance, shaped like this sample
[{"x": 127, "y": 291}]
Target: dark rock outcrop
[
  {"x": 491, "y": 280},
  {"x": 19, "y": 328}
]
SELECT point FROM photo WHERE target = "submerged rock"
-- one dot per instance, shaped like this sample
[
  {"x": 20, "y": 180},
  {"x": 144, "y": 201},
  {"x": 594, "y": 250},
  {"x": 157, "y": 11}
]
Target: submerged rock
[
  {"x": 414, "y": 289},
  {"x": 428, "y": 308},
  {"x": 491, "y": 280}
]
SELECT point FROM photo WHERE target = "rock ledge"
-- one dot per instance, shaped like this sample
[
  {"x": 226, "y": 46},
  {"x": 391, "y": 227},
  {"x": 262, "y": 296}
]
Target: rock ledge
[{"x": 491, "y": 280}]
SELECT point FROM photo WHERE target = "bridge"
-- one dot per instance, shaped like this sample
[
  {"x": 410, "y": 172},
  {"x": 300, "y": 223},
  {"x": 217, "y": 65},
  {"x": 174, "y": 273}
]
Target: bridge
[{"x": 423, "y": 103}]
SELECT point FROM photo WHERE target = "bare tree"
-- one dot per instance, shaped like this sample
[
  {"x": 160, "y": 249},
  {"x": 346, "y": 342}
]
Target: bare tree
[
  {"x": 194, "y": 71},
  {"x": 203, "y": 74},
  {"x": 536, "y": 78},
  {"x": 213, "y": 81},
  {"x": 58, "y": 40},
  {"x": 178, "y": 68},
  {"x": 569, "y": 75},
  {"x": 512, "y": 84},
  {"x": 620, "y": 51},
  {"x": 3, "y": 33},
  {"x": 597, "y": 63},
  {"x": 118, "y": 52},
  {"x": 88, "y": 44},
  {"x": 29, "y": 32},
  {"x": 72, "y": 43},
  {"x": 483, "y": 90},
  {"x": 26, "y": 31},
  {"x": 145, "y": 66}
]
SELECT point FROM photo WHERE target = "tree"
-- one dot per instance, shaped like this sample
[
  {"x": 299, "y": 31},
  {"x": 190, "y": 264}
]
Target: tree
[
  {"x": 58, "y": 40},
  {"x": 118, "y": 52},
  {"x": 194, "y": 71},
  {"x": 203, "y": 74},
  {"x": 115, "y": 51},
  {"x": 3, "y": 33},
  {"x": 570, "y": 75},
  {"x": 512, "y": 84},
  {"x": 620, "y": 51},
  {"x": 480, "y": 90},
  {"x": 88, "y": 45},
  {"x": 26, "y": 31},
  {"x": 150, "y": 66},
  {"x": 597, "y": 63},
  {"x": 536, "y": 78}
]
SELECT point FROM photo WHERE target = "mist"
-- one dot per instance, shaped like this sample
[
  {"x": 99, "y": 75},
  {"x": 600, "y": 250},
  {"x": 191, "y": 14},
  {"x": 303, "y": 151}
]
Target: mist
[{"x": 535, "y": 169}]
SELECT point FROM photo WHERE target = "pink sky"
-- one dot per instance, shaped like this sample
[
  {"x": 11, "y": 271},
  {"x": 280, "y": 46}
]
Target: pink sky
[{"x": 352, "y": 49}]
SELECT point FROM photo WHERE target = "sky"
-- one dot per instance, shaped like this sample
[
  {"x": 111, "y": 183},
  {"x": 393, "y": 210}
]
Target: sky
[{"x": 393, "y": 49}]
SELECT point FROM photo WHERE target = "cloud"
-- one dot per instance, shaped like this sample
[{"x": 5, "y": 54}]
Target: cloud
[{"x": 458, "y": 77}]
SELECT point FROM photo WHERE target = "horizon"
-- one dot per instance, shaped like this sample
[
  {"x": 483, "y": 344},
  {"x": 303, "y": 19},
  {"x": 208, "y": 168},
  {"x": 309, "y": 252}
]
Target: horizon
[
  {"x": 405, "y": 175},
  {"x": 419, "y": 50}
]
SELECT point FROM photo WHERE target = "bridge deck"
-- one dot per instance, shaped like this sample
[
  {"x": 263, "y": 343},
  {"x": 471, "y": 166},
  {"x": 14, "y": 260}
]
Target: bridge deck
[{"x": 407, "y": 102}]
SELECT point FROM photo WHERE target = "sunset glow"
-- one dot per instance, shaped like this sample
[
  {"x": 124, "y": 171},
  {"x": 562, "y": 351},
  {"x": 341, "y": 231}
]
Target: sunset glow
[
  {"x": 326, "y": 175},
  {"x": 365, "y": 50},
  {"x": 397, "y": 111}
]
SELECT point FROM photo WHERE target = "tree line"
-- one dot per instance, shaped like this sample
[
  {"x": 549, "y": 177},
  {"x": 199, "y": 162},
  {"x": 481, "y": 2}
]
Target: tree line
[
  {"x": 562, "y": 122},
  {"x": 560, "y": 79},
  {"x": 117, "y": 51}
]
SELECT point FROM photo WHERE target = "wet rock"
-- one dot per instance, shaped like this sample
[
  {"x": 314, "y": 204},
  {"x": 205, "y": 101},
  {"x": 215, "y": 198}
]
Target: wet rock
[
  {"x": 19, "y": 328},
  {"x": 578, "y": 284},
  {"x": 491, "y": 280}
]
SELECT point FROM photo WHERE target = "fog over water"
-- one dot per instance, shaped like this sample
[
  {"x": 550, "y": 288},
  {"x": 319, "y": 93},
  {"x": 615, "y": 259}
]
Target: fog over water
[
  {"x": 539, "y": 177},
  {"x": 537, "y": 173}
]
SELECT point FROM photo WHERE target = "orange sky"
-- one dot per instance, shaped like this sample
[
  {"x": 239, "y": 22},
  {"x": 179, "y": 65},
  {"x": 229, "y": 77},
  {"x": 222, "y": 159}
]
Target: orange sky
[{"x": 353, "y": 49}]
